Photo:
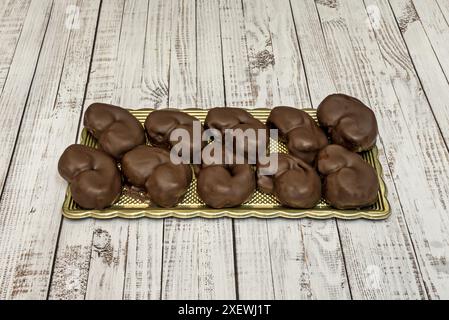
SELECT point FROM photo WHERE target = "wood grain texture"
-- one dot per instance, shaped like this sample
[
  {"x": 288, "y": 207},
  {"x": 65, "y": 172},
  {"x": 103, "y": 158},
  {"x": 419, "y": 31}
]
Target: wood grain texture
[
  {"x": 198, "y": 253},
  {"x": 373, "y": 273},
  {"x": 15, "y": 90},
  {"x": 254, "y": 273},
  {"x": 156, "y": 63},
  {"x": 57, "y": 57},
  {"x": 183, "y": 55},
  {"x": 145, "y": 249},
  {"x": 12, "y": 18},
  {"x": 425, "y": 214},
  {"x": 297, "y": 270},
  {"x": 72, "y": 261},
  {"x": 238, "y": 88},
  {"x": 426, "y": 34},
  {"x": 30, "y": 204},
  {"x": 108, "y": 277}
]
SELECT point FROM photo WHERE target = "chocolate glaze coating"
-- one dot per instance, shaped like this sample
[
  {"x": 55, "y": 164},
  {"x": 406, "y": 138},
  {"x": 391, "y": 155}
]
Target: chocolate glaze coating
[
  {"x": 150, "y": 168},
  {"x": 295, "y": 184},
  {"x": 348, "y": 121},
  {"x": 161, "y": 123},
  {"x": 94, "y": 178},
  {"x": 349, "y": 181},
  {"x": 303, "y": 136},
  {"x": 224, "y": 186},
  {"x": 116, "y": 129},
  {"x": 234, "y": 118}
]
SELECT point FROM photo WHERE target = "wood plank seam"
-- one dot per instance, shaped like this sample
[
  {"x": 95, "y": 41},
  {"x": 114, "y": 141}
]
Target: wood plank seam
[
  {"x": 3, "y": 183},
  {"x": 311, "y": 102},
  {"x": 427, "y": 292},
  {"x": 426, "y": 286},
  {"x": 394, "y": 185},
  {"x": 77, "y": 134},
  {"x": 15, "y": 47},
  {"x": 416, "y": 71},
  {"x": 356, "y": 68},
  {"x": 389, "y": 169}
]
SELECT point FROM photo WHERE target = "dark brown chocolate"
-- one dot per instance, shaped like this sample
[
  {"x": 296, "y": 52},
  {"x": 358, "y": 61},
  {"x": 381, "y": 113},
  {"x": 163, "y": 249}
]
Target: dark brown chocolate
[
  {"x": 295, "y": 184},
  {"x": 94, "y": 178},
  {"x": 116, "y": 129},
  {"x": 161, "y": 123},
  {"x": 222, "y": 119},
  {"x": 150, "y": 168},
  {"x": 304, "y": 138},
  {"x": 348, "y": 121},
  {"x": 349, "y": 181},
  {"x": 224, "y": 186}
]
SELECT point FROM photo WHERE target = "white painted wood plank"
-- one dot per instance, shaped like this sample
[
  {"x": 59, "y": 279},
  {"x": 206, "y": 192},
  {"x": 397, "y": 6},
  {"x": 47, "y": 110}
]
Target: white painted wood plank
[
  {"x": 183, "y": 55},
  {"x": 108, "y": 280},
  {"x": 260, "y": 53},
  {"x": 238, "y": 88},
  {"x": 16, "y": 88},
  {"x": 436, "y": 28},
  {"x": 12, "y": 17},
  {"x": 198, "y": 253},
  {"x": 390, "y": 272},
  {"x": 251, "y": 237},
  {"x": 423, "y": 183},
  {"x": 216, "y": 273},
  {"x": 123, "y": 257},
  {"x": 306, "y": 257},
  {"x": 426, "y": 34},
  {"x": 144, "y": 260},
  {"x": 444, "y": 7},
  {"x": 33, "y": 193},
  {"x": 210, "y": 82},
  {"x": 157, "y": 55},
  {"x": 288, "y": 65},
  {"x": 72, "y": 261}
]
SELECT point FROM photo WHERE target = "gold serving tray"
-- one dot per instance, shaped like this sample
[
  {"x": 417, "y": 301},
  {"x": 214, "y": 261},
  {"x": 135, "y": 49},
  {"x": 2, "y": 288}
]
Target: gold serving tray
[{"x": 261, "y": 205}]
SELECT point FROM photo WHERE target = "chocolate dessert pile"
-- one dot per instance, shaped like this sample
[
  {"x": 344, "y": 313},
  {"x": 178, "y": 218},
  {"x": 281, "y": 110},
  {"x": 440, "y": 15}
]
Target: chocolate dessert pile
[{"x": 317, "y": 165}]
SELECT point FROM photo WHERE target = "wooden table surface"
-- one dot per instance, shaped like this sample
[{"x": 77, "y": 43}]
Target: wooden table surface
[{"x": 57, "y": 57}]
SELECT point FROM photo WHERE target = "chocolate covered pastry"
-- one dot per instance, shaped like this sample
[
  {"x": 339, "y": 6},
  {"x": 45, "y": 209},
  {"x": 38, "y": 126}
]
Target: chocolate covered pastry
[
  {"x": 295, "y": 184},
  {"x": 115, "y": 128},
  {"x": 348, "y": 121},
  {"x": 161, "y": 123},
  {"x": 94, "y": 178},
  {"x": 304, "y": 138},
  {"x": 349, "y": 181},
  {"x": 224, "y": 186},
  {"x": 222, "y": 119},
  {"x": 150, "y": 169}
]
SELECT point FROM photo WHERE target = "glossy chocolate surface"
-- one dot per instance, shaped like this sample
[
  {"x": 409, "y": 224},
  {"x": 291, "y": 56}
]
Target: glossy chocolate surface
[
  {"x": 295, "y": 184},
  {"x": 94, "y": 178},
  {"x": 349, "y": 181},
  {"x": 348, "y": 121},
  {"x": 116, "y": 130},
  {"x": 150, "y": 169},
  {"x": 224, "y": 186},
  {"x": 222, "y": 119},
  {"x": 161, "y": 123},
  {"x": 304, "y": 138}
]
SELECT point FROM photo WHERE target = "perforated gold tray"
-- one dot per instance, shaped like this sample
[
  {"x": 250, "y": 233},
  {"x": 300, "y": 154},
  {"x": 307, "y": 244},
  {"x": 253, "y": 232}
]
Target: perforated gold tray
[{"x": 261, "y": 205}]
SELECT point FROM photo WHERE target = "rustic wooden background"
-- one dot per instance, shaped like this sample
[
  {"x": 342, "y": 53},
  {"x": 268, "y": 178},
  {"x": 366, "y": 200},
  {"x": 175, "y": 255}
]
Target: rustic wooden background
[{"x": 57, "y": 57}]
